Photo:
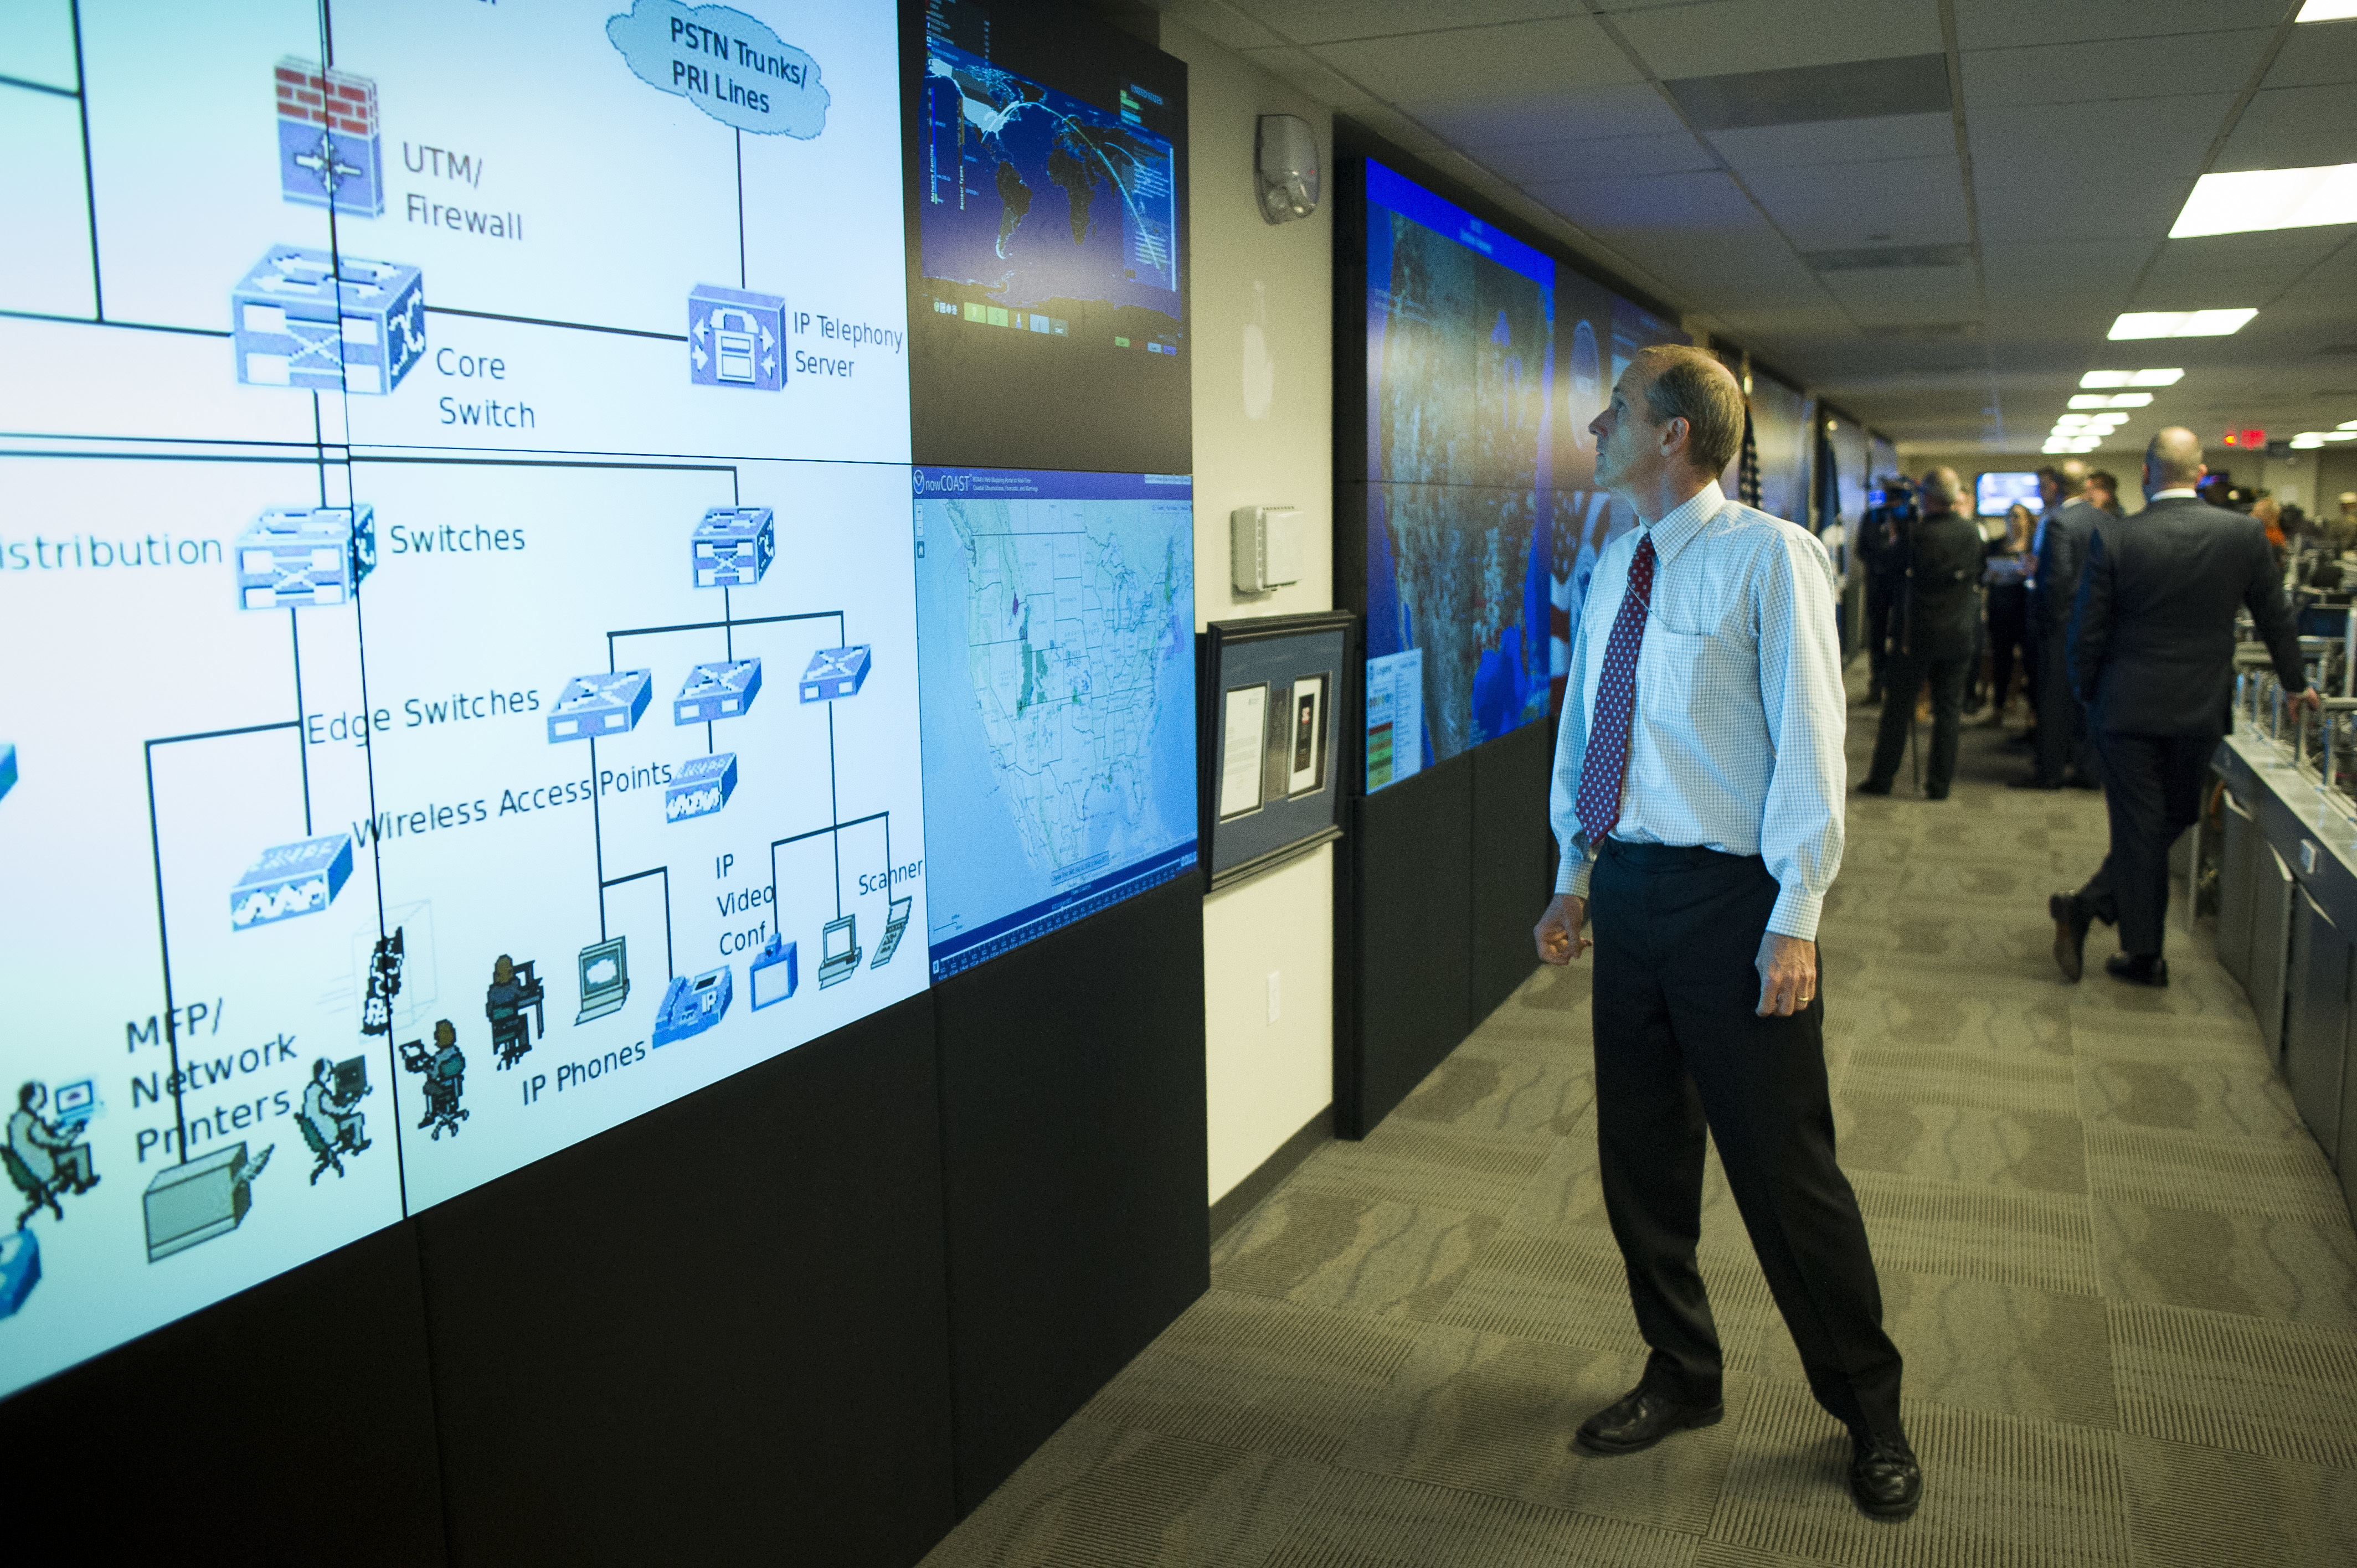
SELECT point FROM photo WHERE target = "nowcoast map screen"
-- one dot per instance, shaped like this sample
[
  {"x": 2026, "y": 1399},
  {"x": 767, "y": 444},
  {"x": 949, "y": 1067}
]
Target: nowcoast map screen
[{"x": 1055, "y": 648}]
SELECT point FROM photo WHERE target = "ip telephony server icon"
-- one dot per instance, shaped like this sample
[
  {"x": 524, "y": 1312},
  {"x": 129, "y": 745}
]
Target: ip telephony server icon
[{"x": 735, "y": 338}]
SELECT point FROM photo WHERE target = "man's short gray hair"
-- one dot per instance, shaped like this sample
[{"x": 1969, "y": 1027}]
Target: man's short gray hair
[{"x": 1689, "y": 384}]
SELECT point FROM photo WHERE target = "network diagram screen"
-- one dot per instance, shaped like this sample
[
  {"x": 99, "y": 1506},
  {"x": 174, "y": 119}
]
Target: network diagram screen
[
  {"x": 456, "y": 495},
  {"x": 1055, "y": 643}
]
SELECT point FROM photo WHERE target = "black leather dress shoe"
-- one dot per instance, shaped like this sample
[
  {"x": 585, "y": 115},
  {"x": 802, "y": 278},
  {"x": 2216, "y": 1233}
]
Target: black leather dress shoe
[
  {"x": 2032, "y": 782},
  {"x": 2137, "y": 968},
  {"x": 1884, "y": 1478},
  {"x": 2071, "y": 918},
  {"x": 1641, "y": 1419},
  {"x": 1935, "y": 792},
  {"x": 1870, "y": 787}
]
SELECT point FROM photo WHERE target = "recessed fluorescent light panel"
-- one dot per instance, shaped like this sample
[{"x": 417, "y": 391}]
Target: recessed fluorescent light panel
[
  {"x": 2269, "y": 199},
  {"x": 2180, "y": 324},
  {"x": 2326, "y": 11},
  {"x": 2095, "y": 379},
  {"x": 2347, "y": 424},
  {"x": 2116, "y": 400}
]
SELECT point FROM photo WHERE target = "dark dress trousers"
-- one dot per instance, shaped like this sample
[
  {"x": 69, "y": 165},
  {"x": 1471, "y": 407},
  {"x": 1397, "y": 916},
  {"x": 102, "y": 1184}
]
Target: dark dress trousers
[
  {"x": 2151, "y": 652},
  {"x": 2063, "y": 745},
  {"x": 1881, "y": 549},
  {"x": 1680, "y": 1046},
  {"x": 1939, "y": 612}
]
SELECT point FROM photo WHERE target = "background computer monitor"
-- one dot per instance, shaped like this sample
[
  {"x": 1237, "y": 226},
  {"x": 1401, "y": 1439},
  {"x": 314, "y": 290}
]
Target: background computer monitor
[{"x": 1994, "y": 493}]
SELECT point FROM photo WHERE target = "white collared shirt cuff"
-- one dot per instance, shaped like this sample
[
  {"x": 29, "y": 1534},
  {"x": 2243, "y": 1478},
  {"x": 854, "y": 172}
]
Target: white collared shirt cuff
[
  {"x": 1572, "y": 875},
  {"x": 1796, "y": 913}
]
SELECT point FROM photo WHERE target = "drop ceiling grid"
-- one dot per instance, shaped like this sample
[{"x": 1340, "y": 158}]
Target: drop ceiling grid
[{"x": 2087, "y": 125}]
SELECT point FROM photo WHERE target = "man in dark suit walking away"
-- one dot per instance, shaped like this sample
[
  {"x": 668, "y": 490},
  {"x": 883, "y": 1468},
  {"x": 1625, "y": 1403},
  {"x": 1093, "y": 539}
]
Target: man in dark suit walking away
[
  {"x": 2152, "y": 654},
  {"x": 1939, "y": 609},
  {"x": 2065, "y": 754}
]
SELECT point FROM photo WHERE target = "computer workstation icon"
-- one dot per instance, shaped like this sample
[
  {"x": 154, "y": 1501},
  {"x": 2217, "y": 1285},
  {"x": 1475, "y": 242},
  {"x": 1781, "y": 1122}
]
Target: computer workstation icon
[{"x": 838, "y": 948}]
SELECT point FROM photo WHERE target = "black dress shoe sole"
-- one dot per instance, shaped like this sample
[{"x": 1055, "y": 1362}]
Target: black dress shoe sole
[{"x": 1694, "y": 1422}]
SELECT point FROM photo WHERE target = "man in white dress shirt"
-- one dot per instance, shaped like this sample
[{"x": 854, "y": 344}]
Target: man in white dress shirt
[{"x": 1698, "y": 795}]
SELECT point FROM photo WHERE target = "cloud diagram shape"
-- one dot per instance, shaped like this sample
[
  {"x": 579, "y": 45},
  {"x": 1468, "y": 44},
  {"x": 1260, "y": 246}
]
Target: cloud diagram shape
[{"x": 727, "y": 64}]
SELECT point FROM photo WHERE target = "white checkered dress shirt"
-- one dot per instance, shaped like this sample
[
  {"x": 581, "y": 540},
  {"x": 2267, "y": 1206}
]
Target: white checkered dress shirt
[{"x": 1736, "y": 743}]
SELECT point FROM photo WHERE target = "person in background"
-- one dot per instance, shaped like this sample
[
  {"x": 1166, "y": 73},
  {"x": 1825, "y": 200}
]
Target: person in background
[
  {"x": 2007, "y": 575},
  {"x": 1938, "y": 609},
  {"x": 2152, "y": 654},
  {"x": 2064, "y": 755},
  {"x": 1697, "y": 799},
  {"x": 2103, "y": 492},
  {"x": 1882, "y": 548},
  {"x": 2269, "y": 517}
]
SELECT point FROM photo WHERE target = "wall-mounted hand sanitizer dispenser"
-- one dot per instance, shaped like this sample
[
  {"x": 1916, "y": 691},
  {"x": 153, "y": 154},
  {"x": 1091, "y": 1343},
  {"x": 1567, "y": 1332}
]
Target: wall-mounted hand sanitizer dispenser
[{"x": 1268, "y": 546}]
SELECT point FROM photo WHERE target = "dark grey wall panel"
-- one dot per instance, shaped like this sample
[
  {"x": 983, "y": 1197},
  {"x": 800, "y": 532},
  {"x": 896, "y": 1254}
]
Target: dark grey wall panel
[
  {"x": 715, "y": 1334},
  {"x": 1073, "y": 1127},
  {"x": 293, "y": 1423},
  {"x": 1510, "y": 862},
  {"x": 1409, "y": 923}
]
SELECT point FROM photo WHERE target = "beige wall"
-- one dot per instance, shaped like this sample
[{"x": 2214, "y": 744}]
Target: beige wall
[{"x": 1261, "y": 300}]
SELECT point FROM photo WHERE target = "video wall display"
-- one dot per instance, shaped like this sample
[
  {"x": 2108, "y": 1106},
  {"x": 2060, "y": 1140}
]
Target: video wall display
[
  {"x": 1055, "y": 636},
  {"x": 1047, "y": 239},
  {"x": 1881, "y": 463},
  {"x": 1485, "y": 362},
  {"x": 1782, "y": 421},
  {"x": 472, "y": 554}
]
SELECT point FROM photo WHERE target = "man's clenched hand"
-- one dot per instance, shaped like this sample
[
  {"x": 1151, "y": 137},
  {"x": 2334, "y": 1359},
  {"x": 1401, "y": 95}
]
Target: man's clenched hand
[{"x": 1558, "y": 930}]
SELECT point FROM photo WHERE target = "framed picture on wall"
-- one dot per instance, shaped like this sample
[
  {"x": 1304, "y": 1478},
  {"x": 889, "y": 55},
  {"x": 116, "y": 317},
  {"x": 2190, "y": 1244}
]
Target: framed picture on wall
[{"x": 1270, "y": 693}]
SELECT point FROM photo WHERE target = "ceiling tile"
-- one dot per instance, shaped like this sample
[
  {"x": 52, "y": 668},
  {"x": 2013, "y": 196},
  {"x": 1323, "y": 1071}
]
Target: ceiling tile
[
  {"x": 1296, "y": 68},
  {"x": 1522, "y": 56},
  {"x": 1901, "y": 294},
  {"x": 1402, "y": 132},
  {"x": 1906, "y": 201},
  {"x": 2063, "y": 147},
  {"x": 1668, "y": 205},
  {"x": 2103, "y": 263},
  {"x": 2030, "y": 214},
  {"x": 2315, "y": 111},
  {"x": 1325, "y": 21},
  {"x": 1621, "y": 156},
  {"x": 1571, "y": 114},
  {"x": 1752, "y": 147},
  {"x": 2317, "y": 55},
  {"x": 1716, "y": 37},
  {"x": 1221, "y": 22},
  {"x": 1997, "y": 24},
  {"x": 2168, "y": 66}
]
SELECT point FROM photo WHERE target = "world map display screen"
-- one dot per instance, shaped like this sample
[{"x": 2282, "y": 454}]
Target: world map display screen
[
  {"x": 1461, "y": 358},
  {"x": 1047, "y": 236},
  {"x": 1055, "y": 650}
]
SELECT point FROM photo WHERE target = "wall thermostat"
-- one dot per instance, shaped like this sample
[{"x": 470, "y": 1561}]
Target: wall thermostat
[{"x": 1267, "y": 545}]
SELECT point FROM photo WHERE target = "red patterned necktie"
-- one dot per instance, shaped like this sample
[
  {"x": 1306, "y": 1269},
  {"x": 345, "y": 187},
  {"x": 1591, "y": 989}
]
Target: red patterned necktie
[{"x": 1616, "y": 701}]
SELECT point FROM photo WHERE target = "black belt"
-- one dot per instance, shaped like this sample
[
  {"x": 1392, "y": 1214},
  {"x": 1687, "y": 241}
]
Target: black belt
[{"x": 1671, "y": 856}]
